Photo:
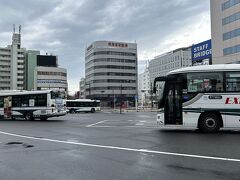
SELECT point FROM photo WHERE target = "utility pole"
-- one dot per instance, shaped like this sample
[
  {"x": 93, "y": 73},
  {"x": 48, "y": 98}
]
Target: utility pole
[
  {"x": 121, "y": 99},
  {"x": 113, "y": 100},
  {"x": 151, "y": 92}
]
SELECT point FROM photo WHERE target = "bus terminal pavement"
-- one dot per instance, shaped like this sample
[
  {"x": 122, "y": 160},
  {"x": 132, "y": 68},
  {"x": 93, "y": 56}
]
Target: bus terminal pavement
[{"x": 109, "y": 145}]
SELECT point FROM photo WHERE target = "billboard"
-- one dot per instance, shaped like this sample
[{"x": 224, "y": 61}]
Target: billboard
[
  {"x": 46, "y": 60},
  {"x": 202, "y": 51}
]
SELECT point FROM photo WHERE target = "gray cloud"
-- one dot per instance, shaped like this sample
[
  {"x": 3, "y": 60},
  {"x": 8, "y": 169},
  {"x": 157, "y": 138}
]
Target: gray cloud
[{"x": 66, "y": 27}]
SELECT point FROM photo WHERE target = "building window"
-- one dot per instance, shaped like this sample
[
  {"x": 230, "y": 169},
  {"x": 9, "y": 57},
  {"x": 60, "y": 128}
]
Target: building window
[
  {"x": 231, "y": 18},
  {"x": 229, "y": 4},
  {"x": 117, "y": 53},
  {"x": 109, "y": 67},
  {"x": 231, "y": 50},
  {"x": 231, "y": 34}
]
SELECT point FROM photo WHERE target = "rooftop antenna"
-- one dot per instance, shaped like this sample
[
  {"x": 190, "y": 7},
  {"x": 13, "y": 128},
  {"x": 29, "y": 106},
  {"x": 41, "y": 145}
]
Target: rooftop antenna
[
  {"x": 13, "y": 28},
  {"x": 19, "y": 28}
]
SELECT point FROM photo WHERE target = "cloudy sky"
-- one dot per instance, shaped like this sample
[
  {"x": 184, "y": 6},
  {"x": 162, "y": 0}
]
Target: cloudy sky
[{"x": 65, "y": 27}]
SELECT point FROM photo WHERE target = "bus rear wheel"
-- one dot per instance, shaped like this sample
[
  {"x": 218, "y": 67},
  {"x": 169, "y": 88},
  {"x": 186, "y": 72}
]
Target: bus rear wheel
[
  {"x": 92, "y": 110},
  {"x": 72, "y": 111},
  {"x": 28, "y": 116},
  {"x": 209, "y": 123}
]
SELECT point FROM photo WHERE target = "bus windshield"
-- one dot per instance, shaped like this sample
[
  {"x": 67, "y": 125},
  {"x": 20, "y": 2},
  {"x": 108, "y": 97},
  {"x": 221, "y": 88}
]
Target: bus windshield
[
  {"x": 160, "y": 89},
  {"x": 58, "y": 94}
]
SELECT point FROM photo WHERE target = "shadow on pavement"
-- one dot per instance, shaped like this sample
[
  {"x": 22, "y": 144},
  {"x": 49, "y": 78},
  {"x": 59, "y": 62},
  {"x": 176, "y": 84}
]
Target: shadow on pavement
[
  {"x": 37, "y": 120},
  {"x": 197, "y": 131}
]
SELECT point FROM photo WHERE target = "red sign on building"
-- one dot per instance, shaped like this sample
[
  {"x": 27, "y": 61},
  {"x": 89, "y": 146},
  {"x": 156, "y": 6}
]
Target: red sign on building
[{"x": 115, "y": 44}]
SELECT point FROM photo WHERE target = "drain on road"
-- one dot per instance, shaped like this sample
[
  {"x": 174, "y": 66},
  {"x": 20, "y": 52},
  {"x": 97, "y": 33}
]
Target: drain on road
[{"x": 24, "y": 145}]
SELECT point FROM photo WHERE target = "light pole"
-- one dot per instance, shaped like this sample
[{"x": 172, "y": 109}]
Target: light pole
[
  {"x": 121, "y": 99},
  {"x": 113, "y": 100},
  {"x": 151, "y": 92}
]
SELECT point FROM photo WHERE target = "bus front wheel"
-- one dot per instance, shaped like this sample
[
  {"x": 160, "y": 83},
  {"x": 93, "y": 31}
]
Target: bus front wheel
[
  {"x": 209, "y": 123},
  {"x": 28, "y": 116},
  {"x": 92, "y": 110}
]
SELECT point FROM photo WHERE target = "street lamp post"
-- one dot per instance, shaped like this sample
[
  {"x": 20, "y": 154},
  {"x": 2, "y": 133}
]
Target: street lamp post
[
  {"x": 151, "y": 92},
  {"x": 121, "y": 99},
  {"x": 113, "y": 100}
]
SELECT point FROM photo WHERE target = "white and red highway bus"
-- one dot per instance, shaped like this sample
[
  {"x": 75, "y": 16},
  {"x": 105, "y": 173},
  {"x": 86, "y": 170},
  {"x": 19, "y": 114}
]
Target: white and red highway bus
[{"x": 204, "y": 97}]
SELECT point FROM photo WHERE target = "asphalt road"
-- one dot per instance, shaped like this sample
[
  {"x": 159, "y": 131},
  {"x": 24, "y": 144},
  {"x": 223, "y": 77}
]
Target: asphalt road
[{"x": 110, "y": 146}]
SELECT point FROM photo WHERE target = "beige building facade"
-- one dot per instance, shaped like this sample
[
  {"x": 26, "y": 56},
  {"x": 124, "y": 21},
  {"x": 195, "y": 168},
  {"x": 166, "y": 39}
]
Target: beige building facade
[
  {"x": 50, "y": 78},
  {"x": 225, "y": 31}
]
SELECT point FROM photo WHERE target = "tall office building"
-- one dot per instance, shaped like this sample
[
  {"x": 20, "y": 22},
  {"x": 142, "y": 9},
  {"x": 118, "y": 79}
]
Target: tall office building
[
  {"x": 12, "y": 64},
  {"x": 162, "y": 64},
  {"x": 225, "y": 30},
  {"x": 111, "y": 72}
]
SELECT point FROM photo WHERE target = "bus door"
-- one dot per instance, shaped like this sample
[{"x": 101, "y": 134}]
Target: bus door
[
  {"x": 8, "y": 107},
  {"x": 173, "y": 103}
]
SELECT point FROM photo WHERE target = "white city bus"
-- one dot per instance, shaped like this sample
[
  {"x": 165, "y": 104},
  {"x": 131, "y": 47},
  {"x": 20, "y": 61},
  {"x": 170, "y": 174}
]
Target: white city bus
[
  {"x": 32, "y": 104},
  {"x": 204, "y": 97},
  {"x": 83, "y": 105}
]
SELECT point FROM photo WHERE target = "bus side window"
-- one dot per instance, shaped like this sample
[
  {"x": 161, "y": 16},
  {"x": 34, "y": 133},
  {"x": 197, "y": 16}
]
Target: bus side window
[
  {"x": 80, "y": 104},
  {"x": 41, "y": 100},
  {"x": 16, "y": 101},
  {"x": 25, "y": 101},
  {"x": 202, "y": 82},
  {"x": 1, "y": 102},
  {"x": 232, "y": 81}
]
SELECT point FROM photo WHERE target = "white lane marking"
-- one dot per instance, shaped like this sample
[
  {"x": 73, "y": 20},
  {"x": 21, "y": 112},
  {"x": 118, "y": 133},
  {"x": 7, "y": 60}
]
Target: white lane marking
[
  {"x": 139, "y": 124},
  {"x": 90, "y": 125},
  {"x": 123, "y": 148},
  {"x": 142, "y": 121},
  {"x": 153, "y": 127},
  {"x": 144, "y": 116}
]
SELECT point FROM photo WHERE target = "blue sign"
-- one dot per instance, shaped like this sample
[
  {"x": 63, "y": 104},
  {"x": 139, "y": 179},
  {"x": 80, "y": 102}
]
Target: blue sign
[{"x": 202, "y": 51}]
